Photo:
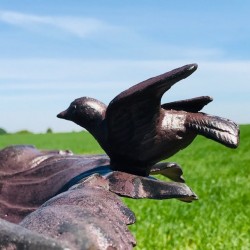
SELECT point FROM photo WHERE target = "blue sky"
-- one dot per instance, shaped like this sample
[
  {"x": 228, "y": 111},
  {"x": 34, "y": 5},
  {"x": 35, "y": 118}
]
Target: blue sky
[{"x": 52, "y": 52}]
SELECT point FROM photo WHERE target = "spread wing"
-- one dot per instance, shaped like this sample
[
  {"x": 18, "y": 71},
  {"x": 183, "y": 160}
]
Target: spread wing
[
  {"x": 133, "y": 114},
  {"x": 190, "y": 105}
]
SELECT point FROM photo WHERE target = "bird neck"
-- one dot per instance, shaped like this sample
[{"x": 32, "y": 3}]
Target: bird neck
[
  {"x": 98, "y": 129},
  {"x": 99, "y": 132}
]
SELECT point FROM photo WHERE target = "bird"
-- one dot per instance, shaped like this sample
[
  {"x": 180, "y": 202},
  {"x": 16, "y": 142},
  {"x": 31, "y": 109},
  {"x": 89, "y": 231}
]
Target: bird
[{"x": 137, "y": 131}]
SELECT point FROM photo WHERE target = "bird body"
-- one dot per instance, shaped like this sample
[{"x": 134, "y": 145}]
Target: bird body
[{"x": 136, "y": 131}]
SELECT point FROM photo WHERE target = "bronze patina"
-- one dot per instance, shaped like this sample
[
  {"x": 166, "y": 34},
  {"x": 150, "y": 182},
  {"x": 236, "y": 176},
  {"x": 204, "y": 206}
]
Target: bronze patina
[
  {"x": 59, "y": 200},
  {"x": 137, "y": 131}
]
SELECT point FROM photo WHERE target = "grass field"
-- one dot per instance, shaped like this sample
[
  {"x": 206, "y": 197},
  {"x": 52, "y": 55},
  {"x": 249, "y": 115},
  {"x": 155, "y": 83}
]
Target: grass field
[{"x": 220, "y": 219}]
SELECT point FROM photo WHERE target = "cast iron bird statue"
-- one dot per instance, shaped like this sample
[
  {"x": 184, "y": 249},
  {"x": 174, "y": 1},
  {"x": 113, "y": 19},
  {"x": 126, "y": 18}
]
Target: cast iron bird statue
[{"x": 136, "y": 131}]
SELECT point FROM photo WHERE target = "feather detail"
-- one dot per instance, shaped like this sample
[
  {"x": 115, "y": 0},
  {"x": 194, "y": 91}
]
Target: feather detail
[
  {"x": 219, "y": 129},
  {"x": 190, "y": 105}
]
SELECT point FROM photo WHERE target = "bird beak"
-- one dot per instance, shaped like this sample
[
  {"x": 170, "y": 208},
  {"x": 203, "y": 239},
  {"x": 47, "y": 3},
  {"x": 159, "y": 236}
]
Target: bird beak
[{"x": 63, "y": 115}]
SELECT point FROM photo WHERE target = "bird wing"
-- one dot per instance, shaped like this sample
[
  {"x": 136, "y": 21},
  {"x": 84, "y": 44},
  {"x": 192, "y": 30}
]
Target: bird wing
[
  {"x": 132, "y": 115},
  {"x": 190, "y": 105}
]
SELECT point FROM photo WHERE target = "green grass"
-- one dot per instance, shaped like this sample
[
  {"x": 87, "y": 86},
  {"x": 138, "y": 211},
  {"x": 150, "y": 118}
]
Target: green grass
[
  {"x": 219, "y": 176},
  {"x": 78, "y": 142}
]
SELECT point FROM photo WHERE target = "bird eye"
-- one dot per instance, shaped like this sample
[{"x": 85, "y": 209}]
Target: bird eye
[{"x": 73, "y": 108}]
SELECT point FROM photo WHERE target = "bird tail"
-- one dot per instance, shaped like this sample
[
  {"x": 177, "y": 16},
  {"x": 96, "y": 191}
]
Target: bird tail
[{"x": 216, "y": 128}]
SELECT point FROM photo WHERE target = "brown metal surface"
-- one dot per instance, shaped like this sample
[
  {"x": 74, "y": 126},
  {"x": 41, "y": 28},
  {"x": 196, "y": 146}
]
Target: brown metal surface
[
  {"x": 136, "y": 131},
  {"x": 88, "y": 216},
  {"x": 40, "y": 177}
]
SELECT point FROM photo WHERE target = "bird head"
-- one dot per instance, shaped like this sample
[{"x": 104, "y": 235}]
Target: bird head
[{"x": 85, "y": 112}]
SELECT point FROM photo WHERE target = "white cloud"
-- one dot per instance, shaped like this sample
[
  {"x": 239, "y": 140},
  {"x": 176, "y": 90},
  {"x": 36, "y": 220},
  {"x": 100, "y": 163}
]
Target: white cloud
[
  {"x": 118, "y": 39},
  {"x": 81, "y": 27}
]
